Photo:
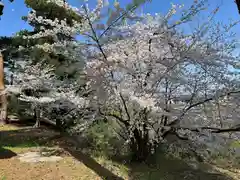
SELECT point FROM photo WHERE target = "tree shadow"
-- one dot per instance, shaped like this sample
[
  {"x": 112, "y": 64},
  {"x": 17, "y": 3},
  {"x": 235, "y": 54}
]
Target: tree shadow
[
  {"x": 171, "y": 168},
  {"x": 163, "y": 167},
  {"x": 160, "y": 166},
  {"x": 25, "y": 137},
  {"x": 35, "y": 137},
  {"x": 85, "y": 158},
  {"x": 94, "y": 165},
  {"x": 6, "y": 153}
]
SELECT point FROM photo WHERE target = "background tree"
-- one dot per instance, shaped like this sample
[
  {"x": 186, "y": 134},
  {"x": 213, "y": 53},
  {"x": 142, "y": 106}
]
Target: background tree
[
  {"x": 238, "y": 5},
  {"x": 2, "y": 7},
  {"x": 3, "y": 116}
]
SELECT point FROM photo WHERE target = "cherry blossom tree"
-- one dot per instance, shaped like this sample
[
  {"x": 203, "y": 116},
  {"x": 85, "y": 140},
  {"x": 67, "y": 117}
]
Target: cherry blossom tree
[
  {"x": 35, "y": 83},
  {"x": 45, "y": 92},
  {"x": 147, "y": 75},
  {"x": 155, "y": 81},
  {"x": 68, "y": 47}
]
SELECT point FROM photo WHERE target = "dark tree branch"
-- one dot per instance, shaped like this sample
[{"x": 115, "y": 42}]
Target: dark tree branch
[
  {"x": 181, "y": 137},
  {"x": 116, "y": 20},
  {"x": 213, "y": 129},
  {"x": 238, "y": 5},
  {"x": 200, "y": 103},
  {"x": 125, "y": 107},
  {"x": 233, "y": 129},
  {"x": 125, "y": 122}
]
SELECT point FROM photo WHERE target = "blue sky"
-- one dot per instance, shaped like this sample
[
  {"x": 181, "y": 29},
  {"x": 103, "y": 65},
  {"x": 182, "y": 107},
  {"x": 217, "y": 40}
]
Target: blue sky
[{"x": 11, "y": 20}]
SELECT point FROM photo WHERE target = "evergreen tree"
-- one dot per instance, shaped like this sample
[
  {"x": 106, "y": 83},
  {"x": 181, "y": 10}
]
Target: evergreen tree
[
  {"x": 65, "y": 66},
  {"x": 2, "y": 7}
]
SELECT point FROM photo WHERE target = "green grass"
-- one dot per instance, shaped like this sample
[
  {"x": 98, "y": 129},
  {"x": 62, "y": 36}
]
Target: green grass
[
  {"x": 4, "y": 178},
  {"x": 21, "y": 147},
  {"x": 162, "y": 166},
  {"x": 20, "y": 139},
  {"x": 165, "y": 168}
]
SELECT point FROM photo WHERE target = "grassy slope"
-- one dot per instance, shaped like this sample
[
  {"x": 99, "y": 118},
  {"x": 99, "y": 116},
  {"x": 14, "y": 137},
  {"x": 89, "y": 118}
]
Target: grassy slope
[{"x": 14, "y": 140}]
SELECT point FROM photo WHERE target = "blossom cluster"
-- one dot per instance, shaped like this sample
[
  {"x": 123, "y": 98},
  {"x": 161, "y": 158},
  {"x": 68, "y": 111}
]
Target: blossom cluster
[{"x": 156, "y": 78}]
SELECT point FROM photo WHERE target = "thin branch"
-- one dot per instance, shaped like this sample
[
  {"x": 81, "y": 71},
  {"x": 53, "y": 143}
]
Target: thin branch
[
  {"x": 238, "y": 5},
  {"x": 181, "y": 137},
  {"x": 119, "y": 133},
  {"x": 125, "y": 122},
  {"x": 219, "y": 113},
  {"x": 95, "y": 37},
  {"x": 116, "y": 20},
  {"x": 234, "y": 129},
  {"x": 200, "y": 103},
  {"x": 212, "y": 98},
  {"x": 212, "y": 129},
  {"x": 125, "y": 107}
]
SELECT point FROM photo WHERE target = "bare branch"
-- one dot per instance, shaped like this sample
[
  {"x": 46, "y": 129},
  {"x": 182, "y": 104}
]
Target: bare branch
[
  {"x": 212, "y": 129},
  {"x": 238, "y": 5},
  {"x": 199, "y": 103},
  {"x": 116, "y": 20},
  {"x": 125, "y": 107}
]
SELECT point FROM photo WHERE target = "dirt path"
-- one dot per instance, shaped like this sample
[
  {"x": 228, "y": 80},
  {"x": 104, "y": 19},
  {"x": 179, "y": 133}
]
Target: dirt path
[{"x": 66, "y": 169}]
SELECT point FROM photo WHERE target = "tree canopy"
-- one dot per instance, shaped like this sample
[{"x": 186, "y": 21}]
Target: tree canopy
[{"x": 138, "y": 71}]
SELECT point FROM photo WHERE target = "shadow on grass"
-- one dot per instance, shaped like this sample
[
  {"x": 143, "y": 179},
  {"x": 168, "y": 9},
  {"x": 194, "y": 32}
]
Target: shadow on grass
[
  {"x": 35, "y": 137},
  {"x": 163, "y": 168},
  {"x": 6, "y": 153},
  {"x": 24, "y": 138},
  {"x": 94, "y": 165},
  {"x": 171, "y": 168}
]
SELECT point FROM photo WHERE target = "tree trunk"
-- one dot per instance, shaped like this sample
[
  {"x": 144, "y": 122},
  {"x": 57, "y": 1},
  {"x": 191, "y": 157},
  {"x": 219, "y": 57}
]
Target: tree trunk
[
  {"x": 3, "y": 96},
  {"x": 11, "y": 79},
  {"x": 37, "y": 117},
  {"x": 140, "y": 147}
]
